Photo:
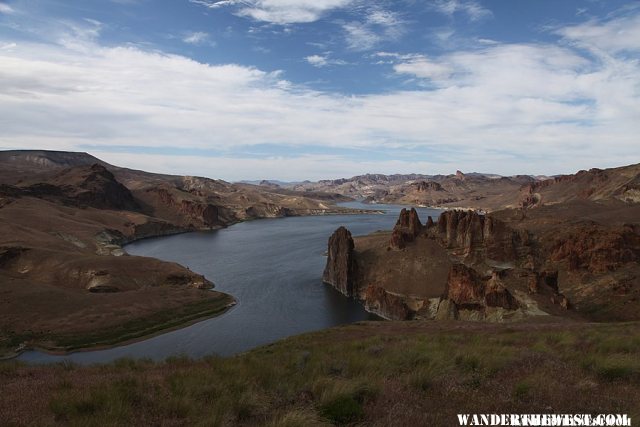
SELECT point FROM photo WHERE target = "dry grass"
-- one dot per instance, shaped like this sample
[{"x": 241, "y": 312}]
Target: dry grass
[{"x": 382, "y": 373}]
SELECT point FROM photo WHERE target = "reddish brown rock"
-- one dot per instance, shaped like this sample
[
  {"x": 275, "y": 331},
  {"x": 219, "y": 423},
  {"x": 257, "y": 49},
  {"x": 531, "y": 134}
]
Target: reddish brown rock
[
  {"x": 497, "y": 295},
  {"x": 597, "y": 249},
  {"x": 341, "y": 266},
  {"x": 83, "y": 186},
  {"x": 561, "y": 300},
  {"x": 424, "y": 186},
  {"x": 398, "y": 240},
  {"x": 472, "y": 233},
  {"x": 198, "y": 214},
  {"x": 464, "y": 286},
  {"x": 409, "y": 221},
  {"x": 430, "y": 224},
  {"x": 206, "y": 213},
  {"x": 98, "y": 188},
  {"x": 390, "y": 306},
  {"x": 406, "y": 229},
  {"x": 468, "y": 290}
]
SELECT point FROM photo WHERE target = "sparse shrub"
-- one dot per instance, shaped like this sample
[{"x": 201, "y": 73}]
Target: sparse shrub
[
  {"x": 467, "y": 363},
  {"x": 66, "y": 406},
  {"x": 298, "y": 418},
  {"x": 180, "y": 360},
  {"x": 421, "y": 379},
  {"x": 176, "y": 408},
  {"x": 614, "y": 372},
  {"x": 342, "y": 410},
  {"x": 474, "y": 381},
  {"x": 61, "y": 408},
  {"x": 9, "y": 368},
  {"x": 127, "y": 391},
  {"x": 521, "y": 390}
]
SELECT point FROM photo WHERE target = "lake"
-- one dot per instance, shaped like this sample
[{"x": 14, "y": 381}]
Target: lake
[{"x": 273, "y": 267}]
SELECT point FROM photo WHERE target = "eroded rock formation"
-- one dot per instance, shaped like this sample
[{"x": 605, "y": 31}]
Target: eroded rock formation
[
  {"x": 476, "y": 287},
  {"x": 406, "y": 229},
  {"x": 385, "y": 304},
  {"x": 469, "y": 232},
  {"x": 341, "y": 266},
  {"x": 597, "y": 249},
  {"x": 197, "y": 213},
  {"x": 467, "y": 289},
  {"x": 424, "y": 186}
]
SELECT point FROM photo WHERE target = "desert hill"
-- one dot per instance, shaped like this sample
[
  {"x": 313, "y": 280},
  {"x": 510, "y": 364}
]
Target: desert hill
[{"x": 66, "y": 280}]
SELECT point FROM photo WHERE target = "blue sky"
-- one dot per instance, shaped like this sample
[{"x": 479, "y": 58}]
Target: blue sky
[{"x": 313, "y": 89}]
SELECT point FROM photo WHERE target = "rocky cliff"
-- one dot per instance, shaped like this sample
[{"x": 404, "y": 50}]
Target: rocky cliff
[
  {"x": 492, "y": 271},
  {"x": 474, "y": 235},
  {"x": 83, "y": 186},
  {"x": 340, "y": 270},
  {"x": 407, "y": 228}
]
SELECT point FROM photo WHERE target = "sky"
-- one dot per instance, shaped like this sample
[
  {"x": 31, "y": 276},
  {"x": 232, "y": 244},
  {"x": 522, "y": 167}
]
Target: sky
[{"x": 321, "y": 89}]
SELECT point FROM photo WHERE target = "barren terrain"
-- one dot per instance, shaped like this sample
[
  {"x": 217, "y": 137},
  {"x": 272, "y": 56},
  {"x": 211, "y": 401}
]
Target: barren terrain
[{"x": 66, "y": 281}]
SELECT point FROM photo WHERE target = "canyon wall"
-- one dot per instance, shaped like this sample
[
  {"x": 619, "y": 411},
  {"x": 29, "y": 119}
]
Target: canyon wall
[{"x": 492, "y": 274}]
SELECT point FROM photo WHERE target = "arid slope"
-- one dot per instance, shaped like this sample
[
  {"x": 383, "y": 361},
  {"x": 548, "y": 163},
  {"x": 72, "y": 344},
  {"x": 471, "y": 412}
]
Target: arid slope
[{"x": 65, "y": 280}]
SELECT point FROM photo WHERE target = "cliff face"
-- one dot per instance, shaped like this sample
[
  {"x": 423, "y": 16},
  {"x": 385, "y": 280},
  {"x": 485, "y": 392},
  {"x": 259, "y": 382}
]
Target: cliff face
[
  {"x": 95, "y": 186},
  {"x": 472, "y": 234},
  {"x": 188, "y": 208},
  {"x": 385, "y": 304},
  {"x": 467, "y": 289},
  {"x": 597, "y": 249},
  {"x": 493, "y": 271},
  {"x": 464, "y": 286},
  {"x": 83, "y": 186},
  {"x": 341, "y": 266}
]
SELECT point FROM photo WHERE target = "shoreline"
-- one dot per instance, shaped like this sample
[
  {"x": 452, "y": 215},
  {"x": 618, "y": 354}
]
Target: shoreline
[{"x": 61, "y": 351}]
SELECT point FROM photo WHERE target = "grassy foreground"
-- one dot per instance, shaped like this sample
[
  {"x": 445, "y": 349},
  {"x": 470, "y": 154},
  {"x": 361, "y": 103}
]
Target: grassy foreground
[{"x": 374, "y": 373}]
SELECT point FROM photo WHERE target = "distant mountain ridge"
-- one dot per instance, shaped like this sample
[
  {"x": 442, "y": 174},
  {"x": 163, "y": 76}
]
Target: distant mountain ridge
[{"x": 483, "y": 190}]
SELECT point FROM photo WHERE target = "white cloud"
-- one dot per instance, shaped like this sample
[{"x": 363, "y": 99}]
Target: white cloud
[
  {"x": 617, "y": 35},
  {"x": 420, "y": 66},
  {"x": 323, "y": 60},
  {"x": 379, "y": 25},
  {"x": 5, "y": 8},
  {"x": 317, "y": 60},
  {"x": 278, "y": 11},
  {"x": 471, "y": 8},
  {"x": 360, "y": 36},
  {"x": 197, "y": 38},
  {"x": 505, "y": 108}
]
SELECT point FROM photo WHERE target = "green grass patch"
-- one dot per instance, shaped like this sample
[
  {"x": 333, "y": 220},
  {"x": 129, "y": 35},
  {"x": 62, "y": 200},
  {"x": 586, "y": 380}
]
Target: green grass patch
[
  {"x": 145, "y": 326},
  {"x": 342, "y": 410}
]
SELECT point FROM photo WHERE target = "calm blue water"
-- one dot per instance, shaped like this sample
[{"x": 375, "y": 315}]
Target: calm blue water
[{"x": 273, "y": 267}]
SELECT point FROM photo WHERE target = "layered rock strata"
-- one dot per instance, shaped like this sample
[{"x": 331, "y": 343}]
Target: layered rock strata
[{"x": 492, "y": 274}]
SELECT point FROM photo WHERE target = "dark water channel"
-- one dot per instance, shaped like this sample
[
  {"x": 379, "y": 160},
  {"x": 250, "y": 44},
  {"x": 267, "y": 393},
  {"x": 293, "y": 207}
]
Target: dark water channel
[{"x": 273, "y": 267}]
